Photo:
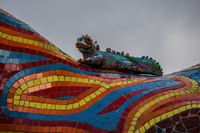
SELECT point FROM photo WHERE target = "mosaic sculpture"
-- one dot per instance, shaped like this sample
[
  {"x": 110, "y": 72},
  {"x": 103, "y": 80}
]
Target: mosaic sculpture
[
  {"x": 94, "y": 57},
  {"x": 43, "y": 89}
]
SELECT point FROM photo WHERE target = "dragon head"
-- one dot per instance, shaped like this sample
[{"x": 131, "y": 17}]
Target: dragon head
[{"x": 86, "y": 46}]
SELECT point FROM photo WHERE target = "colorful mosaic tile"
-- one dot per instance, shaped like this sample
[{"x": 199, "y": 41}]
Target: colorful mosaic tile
[{"x": 42, "y": 89}]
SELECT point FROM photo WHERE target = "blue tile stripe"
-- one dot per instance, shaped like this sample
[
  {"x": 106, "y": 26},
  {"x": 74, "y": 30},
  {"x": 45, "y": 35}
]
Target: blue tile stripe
[
  {"x": 93, "y": 118},
  {"x": 13, "y": 22},
  {"x": 8, "y": 57}
]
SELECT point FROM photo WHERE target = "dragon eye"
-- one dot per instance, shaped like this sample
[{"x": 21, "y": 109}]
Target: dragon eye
[{"x": 87, "y": 40}]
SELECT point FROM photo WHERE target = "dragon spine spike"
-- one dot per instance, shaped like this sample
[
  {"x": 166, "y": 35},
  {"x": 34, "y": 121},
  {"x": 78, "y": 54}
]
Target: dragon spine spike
[
  {"x": 122, "y": 53},
  {"x": 108, "y": 49},
  {"x": 127, "y": 54},
  {"x": 113, "y": 51}
]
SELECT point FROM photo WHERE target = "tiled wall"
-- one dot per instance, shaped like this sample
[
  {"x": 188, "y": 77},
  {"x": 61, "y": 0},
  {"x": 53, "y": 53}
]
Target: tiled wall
[{"x": 43, "y": 89}]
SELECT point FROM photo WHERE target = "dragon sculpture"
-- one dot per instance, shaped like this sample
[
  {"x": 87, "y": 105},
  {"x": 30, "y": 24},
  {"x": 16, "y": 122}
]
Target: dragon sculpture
[
  {"x": 95, "y": 58},
  {"x": 42, "y": 89}
]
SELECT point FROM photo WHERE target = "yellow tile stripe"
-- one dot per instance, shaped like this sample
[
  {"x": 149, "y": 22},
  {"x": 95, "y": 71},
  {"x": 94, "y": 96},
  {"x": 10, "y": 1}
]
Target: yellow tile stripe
[
  {"x": 191, "y": 68},
  {"x": 50, "y": 79},
  {"x": 35, "y": 43},
  {"x": 157, "y": 119},
  {"x": 55, "y": 78},
  {"x": 193, "y": 88},
  {"x": 45, "y": 80}
]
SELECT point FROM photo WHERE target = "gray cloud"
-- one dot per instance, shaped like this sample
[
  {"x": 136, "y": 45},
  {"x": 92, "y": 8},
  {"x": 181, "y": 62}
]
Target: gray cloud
[{"x": 169, "y": 31}]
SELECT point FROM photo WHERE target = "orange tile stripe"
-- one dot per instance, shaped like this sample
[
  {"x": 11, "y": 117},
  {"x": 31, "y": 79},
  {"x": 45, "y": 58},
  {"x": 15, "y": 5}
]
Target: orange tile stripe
[
  {"x": 23, "y": 35},
  {"x": 64, "y": 102},
  {"x": 54, "y": 84},
  {"x": 150, "y": 109},
  {"x": 165, "y": 109},
  {"x": 10, "y": 32},
  {"x": 34, "y": 47},
  {"x": 188, "y": 105},
  {"x": 170, "y": 99},
  {"x": 67, "y": 73},
  {"x": 85, "y": 94},
  {"x": 53, "y": 101},
  {"x": 161, "y": 102},
  {"x": 40, "y": 129}
]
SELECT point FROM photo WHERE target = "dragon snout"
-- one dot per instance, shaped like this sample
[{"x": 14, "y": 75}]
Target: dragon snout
[{"x": 81, "y": 41}]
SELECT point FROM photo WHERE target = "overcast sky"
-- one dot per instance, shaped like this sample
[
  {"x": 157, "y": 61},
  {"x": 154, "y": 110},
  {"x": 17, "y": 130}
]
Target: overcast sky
[{"x": 168, "y": 31}]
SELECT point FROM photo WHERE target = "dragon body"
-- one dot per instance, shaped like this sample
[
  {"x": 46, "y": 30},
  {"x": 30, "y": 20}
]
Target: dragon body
[{"x": 96, "y": 58}]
